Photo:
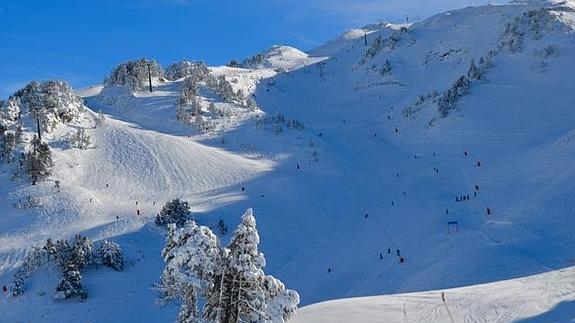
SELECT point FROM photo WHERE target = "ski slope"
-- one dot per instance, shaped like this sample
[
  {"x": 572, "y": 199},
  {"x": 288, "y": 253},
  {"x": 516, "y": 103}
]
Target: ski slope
[
  {"x": 548, "y": 297},
  {"x": 336, "y": 201}
]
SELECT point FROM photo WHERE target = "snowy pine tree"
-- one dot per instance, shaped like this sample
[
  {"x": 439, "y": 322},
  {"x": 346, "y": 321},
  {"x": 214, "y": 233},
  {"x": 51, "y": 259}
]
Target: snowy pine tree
[
  {"x": 110, "y": 254},
  {"x": 175, "y": 211},
  {"x": 10, "y": 128},
  {"x": 230, "y": 281},
  {"x": 38, "y": 160},
  {"x": 134, "y": 74},
  {"x": 70, "y": 284},
  {"x": 51, "y": 102},
  {"x": 473, "y": 72},
  {"x": 245, "y": 298},
  {"x": 192, "y": 258},
  {"x": 197, "y": 71}
]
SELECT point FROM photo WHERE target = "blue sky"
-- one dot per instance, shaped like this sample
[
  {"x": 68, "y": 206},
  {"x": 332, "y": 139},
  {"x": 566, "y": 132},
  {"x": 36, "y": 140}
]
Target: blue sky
[{"x": 81, "y": 40}]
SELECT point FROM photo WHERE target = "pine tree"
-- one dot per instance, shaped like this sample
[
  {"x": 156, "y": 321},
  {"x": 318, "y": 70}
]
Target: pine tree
[
  {"x": 473, "y": 72},
  {"x": 81, "y": 253},
  {"x": 385, "y": 68},
  {"x": 192, "y": 258},
  {"x": 230, "y": 281},
  {"x": 110, "y": 254},
  {"x": 242, "y": 280},
  {"x": 70, "y": 284},
  {"x": 38, "y": 160},
  {"x": 175, "y": 211}
]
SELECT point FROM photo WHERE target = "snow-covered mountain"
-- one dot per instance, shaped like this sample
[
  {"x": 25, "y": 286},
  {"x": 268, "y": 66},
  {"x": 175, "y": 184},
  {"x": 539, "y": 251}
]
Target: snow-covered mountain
[{"x": 446, "y": 144}]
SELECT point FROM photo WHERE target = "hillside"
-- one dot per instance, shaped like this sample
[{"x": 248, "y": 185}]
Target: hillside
[
  {"x": 356, "y": 156},
  {"x": 545, "y": 297}
]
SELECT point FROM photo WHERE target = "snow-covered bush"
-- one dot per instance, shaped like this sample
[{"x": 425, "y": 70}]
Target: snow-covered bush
[
  {"x": 134, "y": 74},
  {"x": 230, "y": 282},
  {"x": 37, "y": 258},
  {"x": 80, "y": 139},
  {"x": 175, "y": 211},
  {"x": 71, "y": 257},
  {"x": 197, "y": 71},
  {"x": 110, "y": 254}
]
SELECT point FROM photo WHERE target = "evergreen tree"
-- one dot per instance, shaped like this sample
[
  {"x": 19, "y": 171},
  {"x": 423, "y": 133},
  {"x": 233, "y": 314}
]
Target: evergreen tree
[
  {"x": 110, "y": 254},
  {"x": 245, "y": 299},
  {"x": 191, "y": 257},
  {"x": 70, "y": 284},
  {"x": 473, "y": 72},
  {"x": 175, "y": 211},
  {"x": 38, "y": 160},
  {"x": 230, "y": 281}
]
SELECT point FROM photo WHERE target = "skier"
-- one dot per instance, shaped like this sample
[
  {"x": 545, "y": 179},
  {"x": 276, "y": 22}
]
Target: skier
[
  {"x": 117, "y": 217},
  {"x": 329, "y": 270},
  {"x": 488, "y": 211},
  {"x": 456, "y": 199},
  {"x": 465, "y": 153},
  {"x": 243, "y": 188},
  {"x": 297, "y": 166},
  {"x": 380, "y": 256},
  {"x": 4, "y": 289},
  {"x": 401, "y": 260},
  {"x": 476, "y": 187},
  {"x": 478, "y": 163},
  {"x": 396, "y": 130},
  {"x": 107, "y": 185},
  {"x": 138, "y": 212},
  {"x": 446, "y": 211},
  {"x": 398, "y": 253},
  {"x": 443, "y": 296},
  {"x": 388, "y": 251}
]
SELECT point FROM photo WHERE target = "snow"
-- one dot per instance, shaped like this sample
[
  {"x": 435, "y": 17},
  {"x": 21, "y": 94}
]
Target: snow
[
  {"x": 329, "y": 199},
  {"x": 548, "y": 297}
]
